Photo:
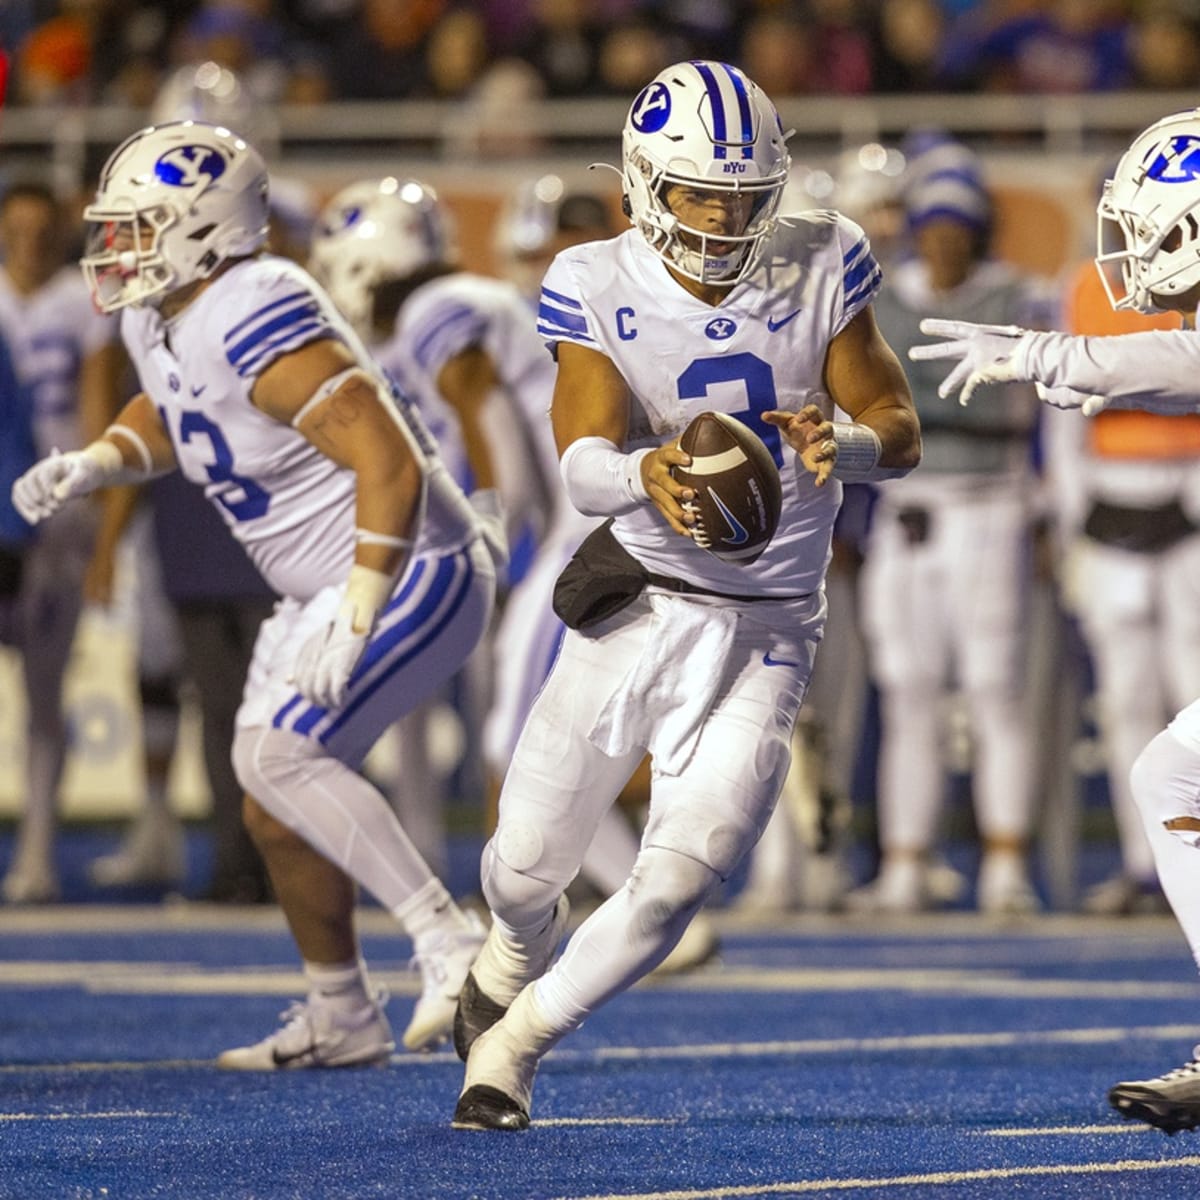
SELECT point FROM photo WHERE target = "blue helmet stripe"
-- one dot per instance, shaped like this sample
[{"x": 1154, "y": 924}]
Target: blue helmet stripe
[
  {"x": 743, "y": 100},
  {"x": 720, "y": 137}
]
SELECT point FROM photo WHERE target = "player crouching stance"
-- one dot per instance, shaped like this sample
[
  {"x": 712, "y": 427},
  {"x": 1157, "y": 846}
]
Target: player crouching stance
[
  {"x": 259, "y": 392},
  {"x": 710, "y": 302},
  {"x": 1148, "y": 255}
]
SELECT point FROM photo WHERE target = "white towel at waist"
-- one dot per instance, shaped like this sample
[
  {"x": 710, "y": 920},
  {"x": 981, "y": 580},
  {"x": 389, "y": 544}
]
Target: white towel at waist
[{"x": 672, "y": 686}]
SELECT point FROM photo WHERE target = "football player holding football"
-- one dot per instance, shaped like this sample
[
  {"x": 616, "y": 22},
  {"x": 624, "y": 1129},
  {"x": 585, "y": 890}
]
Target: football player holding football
[
  {"x": 258, "y": 390},
  {"x": 711, "y": 302},
  {"x": 1148, "y": 236}
]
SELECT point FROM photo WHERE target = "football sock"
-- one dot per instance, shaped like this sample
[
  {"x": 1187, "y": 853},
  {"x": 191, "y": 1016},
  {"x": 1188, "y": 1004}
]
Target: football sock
[{"x": 339, "y": 986}]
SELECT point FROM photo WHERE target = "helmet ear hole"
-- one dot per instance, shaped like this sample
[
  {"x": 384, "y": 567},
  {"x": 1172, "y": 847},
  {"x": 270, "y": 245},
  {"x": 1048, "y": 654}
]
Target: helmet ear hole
[{"x": 626, "y": 206}]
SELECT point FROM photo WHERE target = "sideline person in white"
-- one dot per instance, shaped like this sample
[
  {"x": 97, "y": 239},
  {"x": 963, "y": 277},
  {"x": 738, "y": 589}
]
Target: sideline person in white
[
  {"x": 259, "y": 392},
  {"x": 710, "y": 302},
  {"x": 1149, "y": 257}
]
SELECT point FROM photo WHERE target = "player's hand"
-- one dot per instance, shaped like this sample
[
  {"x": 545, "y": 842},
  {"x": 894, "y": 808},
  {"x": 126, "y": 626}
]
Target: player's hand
[
  {"x": 490, "y": 512},
  {"x": 985, "y": 354},
  {"x": 1065, "y": 397},
  {"x": 327, "y": 660},
  {"x": 810, "y": 433},
  {"x": 49, "y": 484},
  {"x": 669, "y": 496}
]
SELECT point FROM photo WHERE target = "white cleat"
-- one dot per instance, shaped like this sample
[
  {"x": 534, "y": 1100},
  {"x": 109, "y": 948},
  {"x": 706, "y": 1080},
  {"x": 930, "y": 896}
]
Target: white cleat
[
  {"x": 443, "y": 961},
  {"x": 497, "y": 1092},
  {"x": 316, "y": 1035}
]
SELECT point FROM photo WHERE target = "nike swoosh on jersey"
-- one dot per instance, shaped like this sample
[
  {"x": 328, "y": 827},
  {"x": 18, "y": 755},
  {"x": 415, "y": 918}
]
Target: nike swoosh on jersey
[
  {"x": 768, "y": 661},
  {"x": 774, "y": 326},
  {"x": 197, "y": 390}
]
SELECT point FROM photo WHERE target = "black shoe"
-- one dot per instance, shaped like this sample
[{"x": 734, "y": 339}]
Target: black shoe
[
  {"x": 484, "y": 1107},
  {"x": 1170, "y": 1103},
  {"x": 476, "y": 1014}
]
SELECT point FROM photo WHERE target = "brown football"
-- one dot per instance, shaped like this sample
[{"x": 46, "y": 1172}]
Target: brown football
[{"x": 738, "y": 491}]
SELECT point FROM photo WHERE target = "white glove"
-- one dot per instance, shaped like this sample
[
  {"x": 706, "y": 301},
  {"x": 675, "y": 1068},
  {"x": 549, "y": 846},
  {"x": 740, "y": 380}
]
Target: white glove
[
  {"x": 328, "y": 658},
  {"x": 985, "y": 354},
  {"x": 49, "y": 484},
  {"x": 1066, "y": 397},
  {"x": 489, "y": 514}
]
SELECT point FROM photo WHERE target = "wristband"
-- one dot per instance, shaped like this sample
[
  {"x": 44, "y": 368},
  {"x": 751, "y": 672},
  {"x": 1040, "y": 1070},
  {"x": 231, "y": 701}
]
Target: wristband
[
  {"x": 858, "y": 451},
  {"x": 367, "y": 591}
]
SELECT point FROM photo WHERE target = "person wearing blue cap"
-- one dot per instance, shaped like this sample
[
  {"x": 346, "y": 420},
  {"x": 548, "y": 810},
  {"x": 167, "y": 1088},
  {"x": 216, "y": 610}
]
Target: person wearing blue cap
[{"x": 946, "y": 578}]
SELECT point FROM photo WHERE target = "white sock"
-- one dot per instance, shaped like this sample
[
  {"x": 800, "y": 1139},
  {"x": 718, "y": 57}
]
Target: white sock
[
  {"x": 429, "y": 913},
  {"x": 340, "y": 986}
]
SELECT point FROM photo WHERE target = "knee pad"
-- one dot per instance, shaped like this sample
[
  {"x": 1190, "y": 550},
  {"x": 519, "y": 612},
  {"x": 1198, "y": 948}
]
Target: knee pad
[
  {"x": 265, "y": 760},
  {"x": 667, "y": 886},
  {"x": 515, "y": 889},
  {"x": 718, "y": 843}
]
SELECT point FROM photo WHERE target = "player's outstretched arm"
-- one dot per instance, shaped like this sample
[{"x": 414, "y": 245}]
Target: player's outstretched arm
[
  {"x": 133, "y": 449},
  {"x": 344, "y": 411},
  {"x": 590, "y": 414}
]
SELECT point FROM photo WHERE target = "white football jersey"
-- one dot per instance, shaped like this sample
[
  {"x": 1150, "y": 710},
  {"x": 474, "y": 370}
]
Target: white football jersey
[
  {"x": 762, "y": 348},
  {"x": 291, "y": 507},
  {"x": 453, "y": 313},
  {"x": 49, "y": 334}
]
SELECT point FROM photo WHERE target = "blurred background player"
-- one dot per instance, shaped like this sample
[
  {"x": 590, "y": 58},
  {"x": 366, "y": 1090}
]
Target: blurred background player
[
  {"x": 17, "y": 454},
  {"x": 948, "y": 567},
  {"x": 68, "y": 362}
]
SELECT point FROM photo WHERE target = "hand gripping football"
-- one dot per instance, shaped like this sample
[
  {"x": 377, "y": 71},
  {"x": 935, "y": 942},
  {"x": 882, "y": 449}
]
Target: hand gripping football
[{"x": 737, "y": 486}]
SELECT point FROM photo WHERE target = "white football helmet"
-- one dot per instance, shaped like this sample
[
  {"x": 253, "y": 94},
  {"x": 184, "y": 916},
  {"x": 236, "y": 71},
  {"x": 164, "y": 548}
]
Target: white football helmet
[
  {"x": 373, "y": 232},
  {"x": 1148, "y": 226},
  {"x": 174, "y": 202},
  {"x": 703, "y": 125}
]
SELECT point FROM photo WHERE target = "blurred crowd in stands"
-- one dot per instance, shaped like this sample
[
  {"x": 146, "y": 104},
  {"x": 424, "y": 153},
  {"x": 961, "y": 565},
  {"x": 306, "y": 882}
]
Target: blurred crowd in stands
[{"x": 314, "y": 51}]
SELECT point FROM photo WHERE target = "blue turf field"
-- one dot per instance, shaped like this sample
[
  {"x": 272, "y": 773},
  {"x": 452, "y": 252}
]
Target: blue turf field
[{"x": 946, "y": 1057}]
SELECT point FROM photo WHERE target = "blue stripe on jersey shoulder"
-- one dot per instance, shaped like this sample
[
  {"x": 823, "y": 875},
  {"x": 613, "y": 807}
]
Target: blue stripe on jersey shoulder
[
  {"x": 306, "y": 314},
  {"x": 231, "y": 334},
  {"x": 555, "y": 317},
  {"x": 554, "y": 333},
  {"x": 854, "y": 252},
  {"x": 286, "y": 342},
  {"x": 866, "y": 289},
  {"x": 558, "y": 298}
]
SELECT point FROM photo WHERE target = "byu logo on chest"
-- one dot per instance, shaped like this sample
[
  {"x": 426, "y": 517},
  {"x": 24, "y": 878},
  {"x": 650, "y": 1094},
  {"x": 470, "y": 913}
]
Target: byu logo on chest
[{"x": 720, "y": 328}]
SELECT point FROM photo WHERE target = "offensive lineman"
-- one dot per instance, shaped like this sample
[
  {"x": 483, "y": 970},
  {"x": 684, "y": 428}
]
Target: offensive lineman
[
  {"x": 258, "y": 391},
  {"x": 710, "y": 302},
  {"x": 1148, "y": 239}
]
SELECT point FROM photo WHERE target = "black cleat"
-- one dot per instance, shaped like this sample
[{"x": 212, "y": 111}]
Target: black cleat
[
  {"x": 484, "y": 1107},
  {"x": 1170, "y": 1103},
  {"x": 476, "y": 1014}
]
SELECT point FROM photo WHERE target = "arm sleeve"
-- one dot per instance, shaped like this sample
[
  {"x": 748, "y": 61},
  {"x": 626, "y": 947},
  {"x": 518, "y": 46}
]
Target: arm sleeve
[{"x": 1158, "y": 370}]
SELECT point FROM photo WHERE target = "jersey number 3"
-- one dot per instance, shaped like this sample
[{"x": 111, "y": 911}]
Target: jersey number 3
[
  {"x": 242, "y": 498},
  {"x": 759, "y": 383}
]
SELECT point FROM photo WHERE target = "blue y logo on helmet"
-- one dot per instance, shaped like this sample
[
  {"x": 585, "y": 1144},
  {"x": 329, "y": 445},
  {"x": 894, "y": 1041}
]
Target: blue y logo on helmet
[
  {"x": 652, "y": 108},
  {"x": 186, "y": 166},
  {"x": 1177, "y": 162}
]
